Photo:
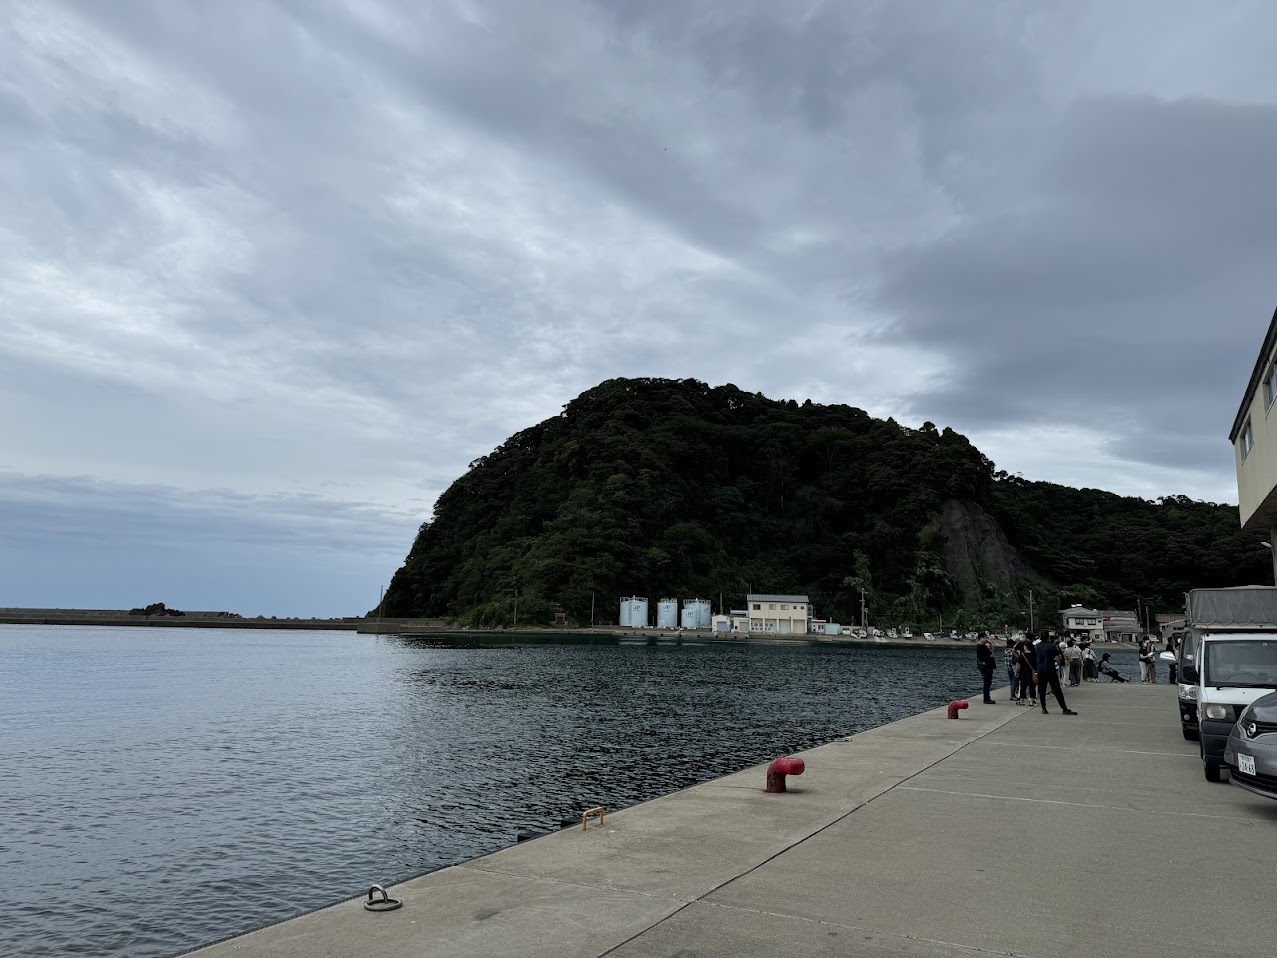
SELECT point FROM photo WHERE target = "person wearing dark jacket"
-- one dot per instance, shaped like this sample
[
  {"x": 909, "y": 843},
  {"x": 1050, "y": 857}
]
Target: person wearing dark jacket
[
  {"x": 1049, "y": 658},
  {"x": 985, "y": 661},
  {"x": 1026, "y": 658}
]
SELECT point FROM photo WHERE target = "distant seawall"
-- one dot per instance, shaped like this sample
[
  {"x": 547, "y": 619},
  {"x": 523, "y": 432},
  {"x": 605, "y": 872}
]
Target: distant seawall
[{"x": 188, "y": 621}]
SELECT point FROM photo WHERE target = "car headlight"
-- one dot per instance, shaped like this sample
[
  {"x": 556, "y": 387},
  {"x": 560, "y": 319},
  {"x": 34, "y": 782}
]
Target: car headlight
[
  {"x": 1221, "y": 712},
  {"x": 1188, "y": 692}
]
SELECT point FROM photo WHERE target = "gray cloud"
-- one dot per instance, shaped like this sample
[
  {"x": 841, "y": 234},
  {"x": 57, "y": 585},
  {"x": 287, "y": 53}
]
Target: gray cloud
[
  {"x": 334, "y": 251},
  {"x": 74, "y": 541},
  {"x": 1126, "y": 294}
]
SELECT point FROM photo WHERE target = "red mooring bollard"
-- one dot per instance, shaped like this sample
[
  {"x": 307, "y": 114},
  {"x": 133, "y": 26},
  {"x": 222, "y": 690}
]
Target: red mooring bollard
[
  {"x": 954, "y": 706},
  {"x": 781, "y": 767}
]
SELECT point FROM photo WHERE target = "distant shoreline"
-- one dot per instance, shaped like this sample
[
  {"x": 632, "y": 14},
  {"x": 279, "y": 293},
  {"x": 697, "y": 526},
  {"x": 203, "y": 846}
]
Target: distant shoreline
[
  {"x": 96, "y": 617},
  {"x": 605, "y": 634},
  {"x": 433, "y": 628}
]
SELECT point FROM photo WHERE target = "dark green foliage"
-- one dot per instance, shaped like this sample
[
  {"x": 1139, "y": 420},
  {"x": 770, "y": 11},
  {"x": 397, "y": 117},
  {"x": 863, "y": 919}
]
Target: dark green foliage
[
  {"x": 662, "y": 487},
  {"x": 1112, "y": 551}
]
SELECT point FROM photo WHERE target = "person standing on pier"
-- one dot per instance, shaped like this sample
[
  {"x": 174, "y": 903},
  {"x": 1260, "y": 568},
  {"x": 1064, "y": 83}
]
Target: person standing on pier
[
  {"x": 1147, "y": 658},
  {"x": 1090, "y": 670},
  {"x": 1025, "y": 658},
  {"x": 1073, "y": 659},
  {"x": 986, "y": 662},
  {"x": 1049, "y": 659},
  {"x": 1012, "y": 666}
]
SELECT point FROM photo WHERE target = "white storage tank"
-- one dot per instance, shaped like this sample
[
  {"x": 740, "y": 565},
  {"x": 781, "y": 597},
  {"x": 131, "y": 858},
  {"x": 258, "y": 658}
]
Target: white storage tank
[
  {"x": 634, "y": 612},
  {"x": 705, "y": 618},
  {"x": 697, "y": 614},
  {"x": 832, "y": 628},
  {"x": 667, "y": 614}
]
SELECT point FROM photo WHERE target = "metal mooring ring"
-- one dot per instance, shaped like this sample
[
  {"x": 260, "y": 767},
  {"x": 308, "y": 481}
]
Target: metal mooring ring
[{"x": 384, "y": 903}]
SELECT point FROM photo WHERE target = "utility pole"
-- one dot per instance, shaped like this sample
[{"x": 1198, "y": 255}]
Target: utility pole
[
  {"x": 864, "y": 619},
  {"x": 1030, "y": 612},
  {"x": 516, "y": 608},
  {"x": 591, "y": 610}
]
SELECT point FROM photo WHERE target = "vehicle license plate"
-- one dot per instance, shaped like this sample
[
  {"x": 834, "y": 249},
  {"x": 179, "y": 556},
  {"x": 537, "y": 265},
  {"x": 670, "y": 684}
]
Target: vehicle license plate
[{"x": 1245, "y": 764}]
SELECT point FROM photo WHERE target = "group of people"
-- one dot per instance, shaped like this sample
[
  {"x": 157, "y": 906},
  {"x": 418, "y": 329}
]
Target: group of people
[{"x": 1035, "y": 666}]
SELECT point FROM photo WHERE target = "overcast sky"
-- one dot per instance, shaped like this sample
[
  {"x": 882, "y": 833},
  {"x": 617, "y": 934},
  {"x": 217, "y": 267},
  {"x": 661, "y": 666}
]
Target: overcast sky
[{"x": 273, "y": 273}]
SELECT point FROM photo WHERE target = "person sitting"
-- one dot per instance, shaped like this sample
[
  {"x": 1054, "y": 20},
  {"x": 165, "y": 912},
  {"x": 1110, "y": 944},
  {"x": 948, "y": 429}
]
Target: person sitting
[{"x": 1106, "y": 668}]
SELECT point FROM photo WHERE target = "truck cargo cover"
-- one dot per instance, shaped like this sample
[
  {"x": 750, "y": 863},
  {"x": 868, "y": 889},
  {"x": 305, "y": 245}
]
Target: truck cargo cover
[{"x": 1243, "y": 607}]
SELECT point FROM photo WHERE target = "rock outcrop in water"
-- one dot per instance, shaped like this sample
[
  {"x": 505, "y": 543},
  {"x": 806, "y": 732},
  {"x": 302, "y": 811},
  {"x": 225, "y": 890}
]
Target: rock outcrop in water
[
  {"x": 156, "y": 608},
  {"x": 663, "y": 487}
]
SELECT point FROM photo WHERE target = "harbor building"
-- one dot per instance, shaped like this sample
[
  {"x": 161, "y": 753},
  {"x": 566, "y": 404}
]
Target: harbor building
[
  {"x": 781, "y": 614},
  {"x": 1079, "y": 622},
  {"x": 1170, "y": 625},
  {"x": 1100, "y": 625},
  {"x": 1121, "y": 625},
  {"x": 737, "y": 620},
  {"x": 1254, "y": 439}
]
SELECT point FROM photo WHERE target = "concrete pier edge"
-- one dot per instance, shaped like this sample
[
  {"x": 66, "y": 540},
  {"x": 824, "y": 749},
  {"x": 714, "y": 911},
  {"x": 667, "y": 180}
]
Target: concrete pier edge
[{"x": 910, "y": 839}]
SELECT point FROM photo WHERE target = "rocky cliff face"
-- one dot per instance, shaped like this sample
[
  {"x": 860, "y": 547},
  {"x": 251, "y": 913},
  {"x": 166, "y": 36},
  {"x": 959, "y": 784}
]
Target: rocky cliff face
[{"x": 976, "y": 552}]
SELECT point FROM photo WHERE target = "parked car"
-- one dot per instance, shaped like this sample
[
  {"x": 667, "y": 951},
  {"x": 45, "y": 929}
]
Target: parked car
[{"x": 1251, "y": 752}]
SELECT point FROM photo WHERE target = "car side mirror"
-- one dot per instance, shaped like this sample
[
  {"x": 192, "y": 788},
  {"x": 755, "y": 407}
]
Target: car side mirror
[
  {"x": 1167, "y": 656},
  {"x": 1190, "y": 674}
]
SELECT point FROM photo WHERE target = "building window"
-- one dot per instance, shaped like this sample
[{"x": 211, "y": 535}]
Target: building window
[
  {"x": 1270, "y": 381},
  {"x": 1247, "y": 439},
  {"x": 757, "y": 607},
  {"x": 772, "y": 607},
  {"x": 784, "y": 608}
]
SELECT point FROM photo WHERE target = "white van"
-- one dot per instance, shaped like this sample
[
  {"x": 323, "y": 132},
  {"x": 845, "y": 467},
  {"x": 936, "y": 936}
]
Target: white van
[{"x": 1235, "y": 637}]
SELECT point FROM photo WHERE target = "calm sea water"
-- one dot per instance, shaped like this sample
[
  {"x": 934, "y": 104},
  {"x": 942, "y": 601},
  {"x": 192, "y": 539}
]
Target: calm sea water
[{"x": 162, "y": 789}]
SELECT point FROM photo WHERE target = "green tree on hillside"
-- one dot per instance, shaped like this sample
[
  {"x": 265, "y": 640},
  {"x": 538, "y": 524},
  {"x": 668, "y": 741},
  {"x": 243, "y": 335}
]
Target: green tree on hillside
[{"x": 674, "y": 487}]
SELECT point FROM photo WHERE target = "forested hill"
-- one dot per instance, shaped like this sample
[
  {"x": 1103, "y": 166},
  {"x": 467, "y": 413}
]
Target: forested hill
[{"x": 662, "y": 487}]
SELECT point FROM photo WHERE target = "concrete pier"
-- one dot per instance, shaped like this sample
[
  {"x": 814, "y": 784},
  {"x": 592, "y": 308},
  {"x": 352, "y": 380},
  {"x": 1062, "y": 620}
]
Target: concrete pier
[{"x": 1006, "y": 832}]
